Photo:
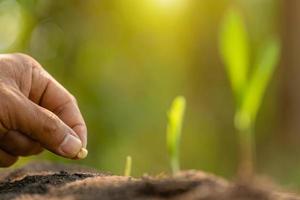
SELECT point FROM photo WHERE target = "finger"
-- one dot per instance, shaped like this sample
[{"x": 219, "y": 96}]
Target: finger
[
  {"x": 69, "y": 113},
  {"x": 6, "y": 159},
  {"x": 46, "y": 128},
  {"x": 17, "y": 144},
  {"x": 48, "y": 93}
]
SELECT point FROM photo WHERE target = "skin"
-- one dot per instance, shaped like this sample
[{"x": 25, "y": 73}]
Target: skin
[{"x": 36, "y": 112}]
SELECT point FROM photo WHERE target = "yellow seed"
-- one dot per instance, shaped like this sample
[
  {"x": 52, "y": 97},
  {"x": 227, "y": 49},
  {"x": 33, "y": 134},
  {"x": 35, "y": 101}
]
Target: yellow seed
[{"x": 82, "y": 153}]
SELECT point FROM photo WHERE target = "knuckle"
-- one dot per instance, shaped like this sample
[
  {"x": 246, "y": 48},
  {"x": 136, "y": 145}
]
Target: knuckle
[
  {"x": 12, "y": 59},
  {"x": 73, "y": 99},
  {"x": 70, "y": 100},
  {"x": 52, "y": 131},
  {"x": 51, "y": 124},
  {"x": 15, "y": 66},
  {"x": 22, "y": 57},
  {"x": 25, "y": 60}
]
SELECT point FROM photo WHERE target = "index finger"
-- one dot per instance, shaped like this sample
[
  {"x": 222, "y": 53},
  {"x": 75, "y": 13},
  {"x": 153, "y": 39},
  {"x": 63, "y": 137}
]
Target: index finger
[{"x": 48, "y": 93}]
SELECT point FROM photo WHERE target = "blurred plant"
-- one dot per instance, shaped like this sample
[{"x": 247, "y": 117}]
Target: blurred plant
[
  {"x": 248, "y": 88},
  {"x": 128, "y": 166},
  {"x": 175, "y": 119}
]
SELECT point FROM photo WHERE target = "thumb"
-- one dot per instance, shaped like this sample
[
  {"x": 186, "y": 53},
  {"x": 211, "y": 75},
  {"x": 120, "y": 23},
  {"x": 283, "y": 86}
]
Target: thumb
[{"x": 45, "y": 127}]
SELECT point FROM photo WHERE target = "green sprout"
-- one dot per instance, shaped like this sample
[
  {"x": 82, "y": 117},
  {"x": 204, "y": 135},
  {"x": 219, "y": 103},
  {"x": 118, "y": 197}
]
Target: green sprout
[
  {"x": 248, "y": 88},
  {"x": 175, "y": 119},
  {"x": 128, "y": 166}
]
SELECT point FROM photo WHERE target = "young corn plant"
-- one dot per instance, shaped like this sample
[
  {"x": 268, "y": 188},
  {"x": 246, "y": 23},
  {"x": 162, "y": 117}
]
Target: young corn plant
[
  {"x": 248, "y": 84},
  {"x": 128, "y": 166},
  {"x": 175, "y": 119}
]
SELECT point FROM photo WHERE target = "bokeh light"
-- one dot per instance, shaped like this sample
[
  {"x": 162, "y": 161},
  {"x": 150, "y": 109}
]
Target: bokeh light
[{"x": 10, "y": 23}]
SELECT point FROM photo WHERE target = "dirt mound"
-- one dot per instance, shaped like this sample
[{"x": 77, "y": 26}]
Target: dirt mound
[{"x": 61, "y": 182}]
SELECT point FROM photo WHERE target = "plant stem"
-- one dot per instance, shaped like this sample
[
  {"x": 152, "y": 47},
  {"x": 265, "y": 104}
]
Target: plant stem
[
  {"x": 175, "y": 164},
  {"x": 247, "y": 152},
  {"x": 128, "y": 166}
]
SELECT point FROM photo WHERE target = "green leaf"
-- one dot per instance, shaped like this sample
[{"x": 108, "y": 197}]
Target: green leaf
[
  {"x": 175, "y": 119},
  {"x": 233, "y": 41},
  {"x": 264, "y": 69}
]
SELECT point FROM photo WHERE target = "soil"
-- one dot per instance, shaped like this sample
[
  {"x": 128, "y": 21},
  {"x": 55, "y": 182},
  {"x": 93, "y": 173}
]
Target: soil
[{"x": 64, "y": 182}]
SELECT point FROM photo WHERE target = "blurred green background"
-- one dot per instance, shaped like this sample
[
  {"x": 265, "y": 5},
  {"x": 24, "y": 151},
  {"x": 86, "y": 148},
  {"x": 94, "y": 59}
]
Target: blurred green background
[{"x": 125, "y": 61}]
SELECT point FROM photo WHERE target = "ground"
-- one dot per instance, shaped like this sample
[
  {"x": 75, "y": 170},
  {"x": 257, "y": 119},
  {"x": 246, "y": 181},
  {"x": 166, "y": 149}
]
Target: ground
[{"x": 66, "y": 182}]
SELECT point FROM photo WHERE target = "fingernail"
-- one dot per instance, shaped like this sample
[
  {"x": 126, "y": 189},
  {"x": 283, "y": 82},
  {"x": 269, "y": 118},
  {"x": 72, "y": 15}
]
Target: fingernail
[{"x": 70, "y": 146}]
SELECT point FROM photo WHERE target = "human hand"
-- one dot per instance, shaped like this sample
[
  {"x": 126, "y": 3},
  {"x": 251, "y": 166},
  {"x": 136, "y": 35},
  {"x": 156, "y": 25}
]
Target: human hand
[{"x": 36, "y": 112}]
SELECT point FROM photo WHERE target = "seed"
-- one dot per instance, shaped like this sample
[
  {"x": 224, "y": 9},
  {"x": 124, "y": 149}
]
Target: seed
[{"x": 82, "y": 153}]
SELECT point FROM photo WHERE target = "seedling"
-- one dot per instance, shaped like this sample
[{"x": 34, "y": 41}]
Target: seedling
[
  {"x": 175, "y": 119},
  {"x": 128, "y": 165},
  {"x": 248, "y": 84}
]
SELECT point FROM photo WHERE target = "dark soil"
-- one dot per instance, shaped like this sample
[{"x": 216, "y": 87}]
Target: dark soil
[{"x": 60, "y": 182}]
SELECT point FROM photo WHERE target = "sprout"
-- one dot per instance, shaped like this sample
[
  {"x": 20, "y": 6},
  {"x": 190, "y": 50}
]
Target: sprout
[
  {"x": 128, "y": 166},
  {"x": 175, "y": 118},
  {"x": 248, "y": 89}
]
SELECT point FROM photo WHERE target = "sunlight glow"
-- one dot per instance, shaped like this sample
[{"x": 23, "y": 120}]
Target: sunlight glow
[{"x": 170, "y": 4}]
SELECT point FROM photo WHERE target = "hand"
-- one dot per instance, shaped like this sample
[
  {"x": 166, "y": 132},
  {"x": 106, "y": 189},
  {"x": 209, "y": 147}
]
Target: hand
[{"x": 36, "y": 112}]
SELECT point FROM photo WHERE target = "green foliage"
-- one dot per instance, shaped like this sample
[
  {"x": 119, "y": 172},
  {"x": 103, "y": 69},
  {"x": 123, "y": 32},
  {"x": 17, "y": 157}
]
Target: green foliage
[
  {"x": 175, "y": 119},
  {"x": 265, "y": 67},
  {"x": 248, "y": 88},
  {"x": 235, "y": 51},
  {"x": 128, "y": 166},
  {"x": 234, "y": 47}
]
